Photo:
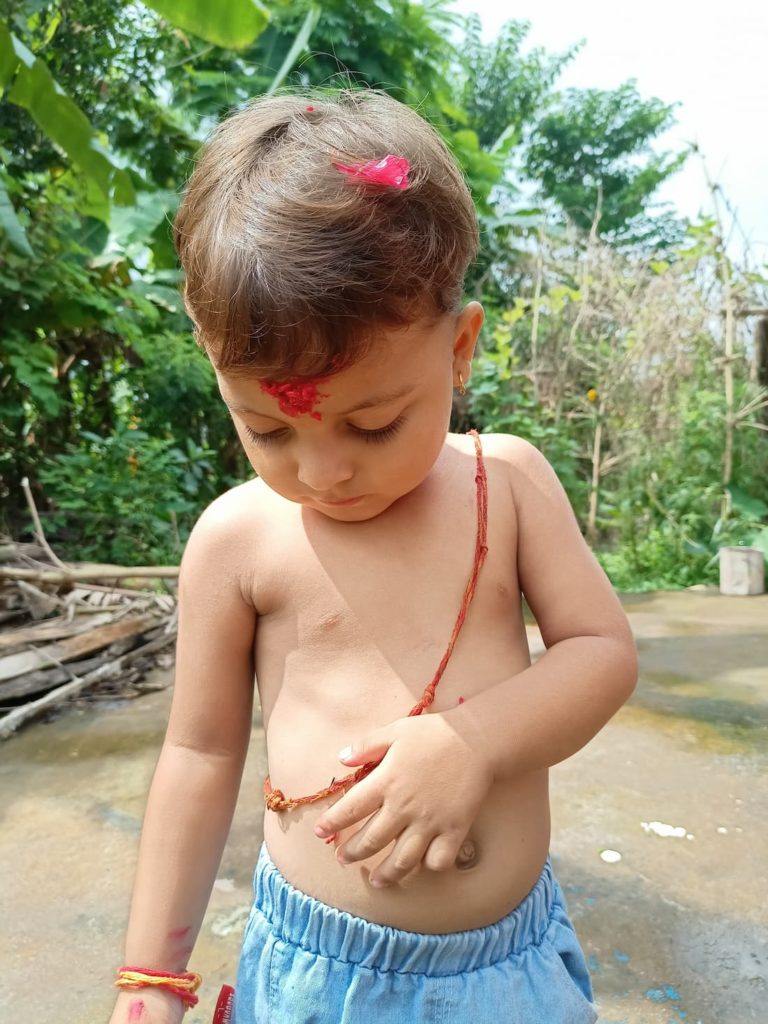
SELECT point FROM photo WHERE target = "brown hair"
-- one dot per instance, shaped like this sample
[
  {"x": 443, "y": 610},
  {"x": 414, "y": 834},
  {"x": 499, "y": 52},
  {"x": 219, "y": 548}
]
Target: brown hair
[{"x": 292, "y": 265}]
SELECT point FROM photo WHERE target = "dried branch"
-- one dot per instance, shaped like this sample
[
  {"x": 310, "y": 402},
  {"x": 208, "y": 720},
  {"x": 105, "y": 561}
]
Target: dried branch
[
  {"x": 92, "y": 572},
  {"x": 39, "y": 533},
  {"x": 110, "y": 669}
]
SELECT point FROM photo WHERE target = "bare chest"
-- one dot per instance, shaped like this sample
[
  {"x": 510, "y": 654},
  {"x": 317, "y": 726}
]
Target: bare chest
[{"x": 369, "y": 607}]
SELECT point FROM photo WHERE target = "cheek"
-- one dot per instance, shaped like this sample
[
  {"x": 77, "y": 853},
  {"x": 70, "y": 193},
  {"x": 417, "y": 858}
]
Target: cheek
[
  {"x": 274, "y": 471},
  {"x": 258, "y": 456}
]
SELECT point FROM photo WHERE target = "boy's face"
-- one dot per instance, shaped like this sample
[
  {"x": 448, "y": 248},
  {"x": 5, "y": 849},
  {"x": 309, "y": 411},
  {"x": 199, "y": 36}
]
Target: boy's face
[{"x": 382, "y": 421}]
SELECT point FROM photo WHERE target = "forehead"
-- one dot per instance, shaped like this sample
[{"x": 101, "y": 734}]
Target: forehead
[{"x": 398, "y": 362}]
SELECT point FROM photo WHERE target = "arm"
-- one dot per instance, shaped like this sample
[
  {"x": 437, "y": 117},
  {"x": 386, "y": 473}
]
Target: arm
[
  {"x": 195, "y": 785},
  {"x": 546, "y": 713},
  {"x": 532, "y": 720}
]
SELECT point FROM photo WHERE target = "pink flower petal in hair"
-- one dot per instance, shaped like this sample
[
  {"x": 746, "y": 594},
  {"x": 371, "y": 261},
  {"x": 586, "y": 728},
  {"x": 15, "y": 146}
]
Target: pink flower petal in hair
[{"x": 392, "y": 170}]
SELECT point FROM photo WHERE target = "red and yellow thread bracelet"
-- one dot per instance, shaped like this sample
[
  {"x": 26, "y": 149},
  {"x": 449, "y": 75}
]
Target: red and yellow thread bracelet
[{"x": 182, "y": 985}]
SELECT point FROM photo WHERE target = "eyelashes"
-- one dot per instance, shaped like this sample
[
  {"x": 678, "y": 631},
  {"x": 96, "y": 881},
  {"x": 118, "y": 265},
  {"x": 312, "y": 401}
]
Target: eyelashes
[
  {"x": 264, "y": 439},
  {"x": 369, "y": 436},
  {"x": 383, "y": 433}
]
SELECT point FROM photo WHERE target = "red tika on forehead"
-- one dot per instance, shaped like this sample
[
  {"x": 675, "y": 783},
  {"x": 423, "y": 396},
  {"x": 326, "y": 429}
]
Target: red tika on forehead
[{"x": 296, "y": 397}]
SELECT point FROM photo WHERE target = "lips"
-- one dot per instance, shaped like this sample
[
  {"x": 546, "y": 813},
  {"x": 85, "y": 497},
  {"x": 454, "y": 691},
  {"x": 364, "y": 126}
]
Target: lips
[{"x": 342, "y": 502}]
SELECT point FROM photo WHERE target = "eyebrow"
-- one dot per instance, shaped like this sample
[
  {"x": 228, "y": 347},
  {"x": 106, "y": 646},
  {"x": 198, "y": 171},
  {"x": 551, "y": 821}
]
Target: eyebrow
[
  {"x": 369, "y": 403},
  {"x": 382, "y": 399}
]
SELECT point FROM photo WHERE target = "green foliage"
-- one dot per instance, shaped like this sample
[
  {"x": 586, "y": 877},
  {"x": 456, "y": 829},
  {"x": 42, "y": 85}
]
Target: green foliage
[
  {"x": 30, "y": 85},
  {"x": 592, "y": 154},
  {"x": 502, "y": 400},
  {"x": 503, "y": 88},
  {"x": 10, "y": 225},
  {"x": 234, "y": 24},
  {"x": 127, "y": 498},
  {"x": 109, "y": 407},
  {"x": 661, "y": 517}
]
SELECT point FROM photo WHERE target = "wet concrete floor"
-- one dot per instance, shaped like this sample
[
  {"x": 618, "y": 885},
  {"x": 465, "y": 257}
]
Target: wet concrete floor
[{"x": 675, "y": 930}]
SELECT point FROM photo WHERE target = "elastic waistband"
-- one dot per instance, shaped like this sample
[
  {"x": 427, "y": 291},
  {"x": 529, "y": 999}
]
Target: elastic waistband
[{"x": 315, "y": 927}]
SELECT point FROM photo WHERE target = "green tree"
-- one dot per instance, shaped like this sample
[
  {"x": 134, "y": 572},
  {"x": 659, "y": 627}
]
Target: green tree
[
  {"x": 502, "y": 88},
  {"x": 591, "y": 153}
]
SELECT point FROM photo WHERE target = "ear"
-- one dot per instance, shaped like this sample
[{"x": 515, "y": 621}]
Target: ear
[{"x": 468, "y": 325}]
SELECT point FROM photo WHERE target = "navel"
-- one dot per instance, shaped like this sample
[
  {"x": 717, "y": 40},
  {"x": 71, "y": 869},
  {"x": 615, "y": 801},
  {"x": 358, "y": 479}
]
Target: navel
[{"x": 467, "y": 856}]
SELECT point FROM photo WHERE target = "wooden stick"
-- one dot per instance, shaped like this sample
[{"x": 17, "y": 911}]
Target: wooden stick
[
  {"x": 18, "y": 716},
  {"x": 45, "y": 679},
  {"x": 123, "y": 591},
  {"x": 12, "y": 552},
  {"x": 70, "y": 648},
  {"x": 91, "y": 572},
  {"x": 740, "y": 313},
  {"x": 38, "y": 525},
  {"x": 52, "y": 629}
]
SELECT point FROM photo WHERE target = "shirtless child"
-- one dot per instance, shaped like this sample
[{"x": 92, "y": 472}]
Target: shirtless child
[{"x": 325, "y": 242}]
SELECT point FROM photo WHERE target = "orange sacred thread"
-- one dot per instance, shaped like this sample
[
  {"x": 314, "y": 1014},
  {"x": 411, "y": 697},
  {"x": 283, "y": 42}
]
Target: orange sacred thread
[
  {"x": 275, "y": 799},
  {"x": 183, "y": 985}
]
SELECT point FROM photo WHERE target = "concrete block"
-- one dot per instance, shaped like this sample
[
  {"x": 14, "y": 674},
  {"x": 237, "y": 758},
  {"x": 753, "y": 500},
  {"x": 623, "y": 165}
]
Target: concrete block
[{"x": 742, "y": 571}]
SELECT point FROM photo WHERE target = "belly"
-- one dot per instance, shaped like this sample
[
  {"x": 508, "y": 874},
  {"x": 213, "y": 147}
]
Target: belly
[
  {"x": 497, "y": 866},
  {"x": 310, "y": 715}
]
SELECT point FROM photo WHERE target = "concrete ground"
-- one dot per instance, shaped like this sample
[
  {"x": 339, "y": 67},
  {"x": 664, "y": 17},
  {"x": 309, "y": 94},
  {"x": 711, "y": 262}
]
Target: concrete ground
[{"x": 675, "y": 930}]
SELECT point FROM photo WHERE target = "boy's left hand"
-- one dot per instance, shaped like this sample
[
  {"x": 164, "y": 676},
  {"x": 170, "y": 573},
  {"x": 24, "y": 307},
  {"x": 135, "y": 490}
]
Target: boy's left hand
[{"x": 425, "y": 794}]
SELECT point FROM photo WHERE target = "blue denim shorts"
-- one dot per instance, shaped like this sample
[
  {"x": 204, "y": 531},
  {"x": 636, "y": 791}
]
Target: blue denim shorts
[{"x": 304, "y": 962}]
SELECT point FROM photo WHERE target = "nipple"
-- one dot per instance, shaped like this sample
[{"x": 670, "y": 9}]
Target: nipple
[{"x": 467, "y": 856}]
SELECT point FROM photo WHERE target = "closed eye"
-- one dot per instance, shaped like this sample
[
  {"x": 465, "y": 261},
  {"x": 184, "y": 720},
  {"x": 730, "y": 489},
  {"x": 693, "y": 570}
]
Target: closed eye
[
  {"x": 267, "y": 438},
  {"x": 381, "y": 434}
]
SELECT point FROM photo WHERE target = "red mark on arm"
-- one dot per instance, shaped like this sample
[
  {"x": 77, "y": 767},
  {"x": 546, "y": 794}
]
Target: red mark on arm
[
  {"x": 181, "y": 950},
  {"x": 136, "y": 1011}
]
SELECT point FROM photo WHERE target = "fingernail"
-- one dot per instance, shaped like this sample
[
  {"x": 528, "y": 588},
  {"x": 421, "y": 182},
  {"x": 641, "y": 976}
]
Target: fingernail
[
  {"x": 377, "y": 883},
  {"x": 321, "y": 832},
  {"x": 345, "y": 754}
]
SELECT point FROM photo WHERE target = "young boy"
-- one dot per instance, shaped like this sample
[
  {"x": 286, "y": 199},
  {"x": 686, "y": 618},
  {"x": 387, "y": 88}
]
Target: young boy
[{"x": 370, "y": 578}]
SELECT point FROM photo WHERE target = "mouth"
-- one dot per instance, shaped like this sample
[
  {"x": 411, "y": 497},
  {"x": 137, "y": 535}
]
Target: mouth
[{"x": 340, "y": 504}]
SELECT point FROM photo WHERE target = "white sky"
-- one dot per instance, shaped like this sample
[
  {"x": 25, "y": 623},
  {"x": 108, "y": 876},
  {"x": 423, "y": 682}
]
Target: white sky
[{"x": 710, "y": 56}]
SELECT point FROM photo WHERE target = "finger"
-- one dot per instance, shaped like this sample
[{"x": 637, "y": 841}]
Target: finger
[
  {"x": 372, "y": 748},
  {"x": 442, "y": 852},
  {"x": 405, "y": 857},
  {"x": 376, "y": 834},
  {"x": 359, "y": 803}
]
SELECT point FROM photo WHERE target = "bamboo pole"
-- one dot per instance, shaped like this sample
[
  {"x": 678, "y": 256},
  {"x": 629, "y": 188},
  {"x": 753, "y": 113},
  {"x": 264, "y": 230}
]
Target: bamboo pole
[
  {"x": 536, "y": 314},
  {"x": 728, "y": 312},
  {"x": 595, "y": 484},
  {"x": 91, "y": 572}
]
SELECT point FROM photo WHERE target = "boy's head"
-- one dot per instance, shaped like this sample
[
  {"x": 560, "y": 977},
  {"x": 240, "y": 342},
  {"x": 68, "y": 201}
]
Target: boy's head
[
  {"x": 292, "y": 265},
  {"x": 314, "y": 289}
]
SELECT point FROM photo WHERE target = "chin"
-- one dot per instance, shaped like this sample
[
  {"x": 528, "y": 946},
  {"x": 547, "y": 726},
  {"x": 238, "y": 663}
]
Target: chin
[{"x": 355, "y": 513}]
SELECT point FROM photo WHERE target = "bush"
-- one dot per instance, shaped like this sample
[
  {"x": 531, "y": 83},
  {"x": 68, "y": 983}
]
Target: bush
[{"x": 126, "y": 498}]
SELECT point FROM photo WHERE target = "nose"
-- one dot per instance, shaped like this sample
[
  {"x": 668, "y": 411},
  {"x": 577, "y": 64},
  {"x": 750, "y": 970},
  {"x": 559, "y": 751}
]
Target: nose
[{"x": 323, "y": 467}]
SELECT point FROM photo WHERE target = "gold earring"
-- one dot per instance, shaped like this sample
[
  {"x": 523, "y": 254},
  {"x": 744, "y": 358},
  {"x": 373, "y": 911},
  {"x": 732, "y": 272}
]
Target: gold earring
[{"x": 462, "y": 385}]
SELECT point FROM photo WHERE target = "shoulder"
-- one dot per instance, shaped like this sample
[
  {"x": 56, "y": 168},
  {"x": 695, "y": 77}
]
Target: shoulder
[
  {"x": 228, "y": 534},
  {"x": 525, "y": 465},
  {"x": 508, "y": 447},
  {"x": 512, "y": 461},
  {"x": 233, "y": 511}
]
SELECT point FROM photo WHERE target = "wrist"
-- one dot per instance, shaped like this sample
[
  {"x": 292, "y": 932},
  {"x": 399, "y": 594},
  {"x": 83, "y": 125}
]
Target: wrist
[
  {"x": 182, "y": 986},
  {"x": 154, "y": 1005},
  {"x": 470, "y": 729}
]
